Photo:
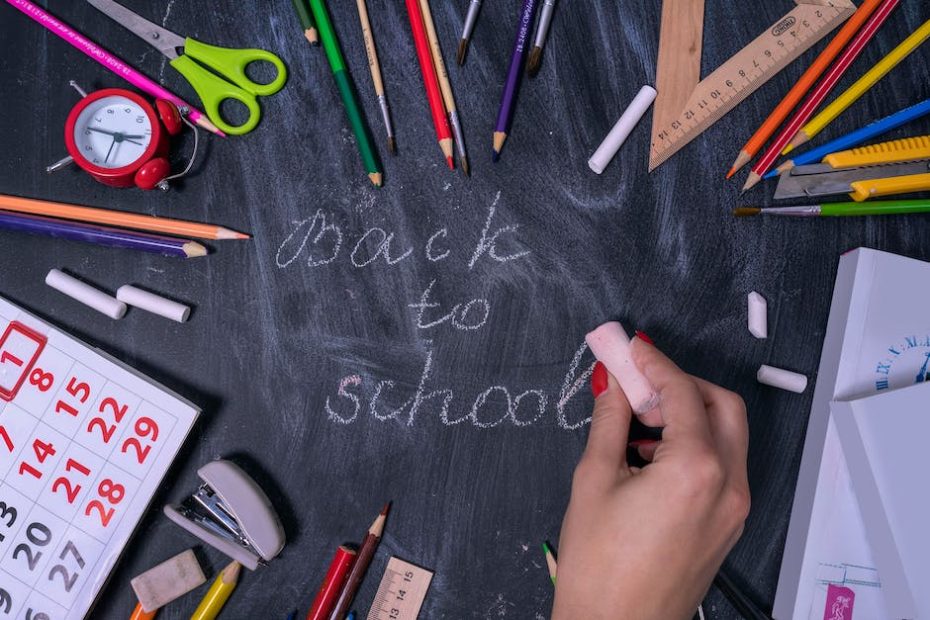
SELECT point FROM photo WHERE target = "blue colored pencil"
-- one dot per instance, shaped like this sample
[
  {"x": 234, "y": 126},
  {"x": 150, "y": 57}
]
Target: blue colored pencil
[
  {"x": 856, "y": 138},
  {"x": 100, "y": 235}
]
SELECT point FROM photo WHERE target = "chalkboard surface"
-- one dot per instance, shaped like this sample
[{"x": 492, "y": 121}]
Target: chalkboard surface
[{"x": 423, "y": 343}]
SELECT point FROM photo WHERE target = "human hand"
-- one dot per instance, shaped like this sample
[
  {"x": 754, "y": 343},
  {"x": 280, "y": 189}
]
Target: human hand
[{"x": 645, "y": 544}]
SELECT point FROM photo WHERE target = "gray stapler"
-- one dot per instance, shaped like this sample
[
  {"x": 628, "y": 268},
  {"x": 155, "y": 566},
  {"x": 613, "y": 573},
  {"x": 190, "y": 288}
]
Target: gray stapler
[{"x": 231, "y": 513}]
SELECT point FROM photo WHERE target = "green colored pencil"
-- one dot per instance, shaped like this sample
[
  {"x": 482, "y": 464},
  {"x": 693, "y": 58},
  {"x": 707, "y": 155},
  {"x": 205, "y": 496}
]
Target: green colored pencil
[
  {"x": 344, "y": 83},
  {"x": 840, "y": 209},
  {"x": 550, "y": 561},
  {"x": 306, "y": 20}
]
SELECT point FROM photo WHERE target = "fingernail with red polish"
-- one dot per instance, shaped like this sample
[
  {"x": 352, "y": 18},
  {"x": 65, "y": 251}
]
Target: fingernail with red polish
[
  {"x": 645, "y": 338},
  {"x": 598, "y": 379}
]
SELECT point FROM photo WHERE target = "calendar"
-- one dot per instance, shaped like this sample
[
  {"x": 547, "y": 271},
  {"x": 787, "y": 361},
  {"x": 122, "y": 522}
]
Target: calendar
[{"x": 84, "y": 443}]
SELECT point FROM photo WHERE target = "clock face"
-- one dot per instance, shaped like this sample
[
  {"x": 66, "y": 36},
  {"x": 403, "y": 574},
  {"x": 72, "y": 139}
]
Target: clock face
[
  {"x": 907, "y": 362},
  {"x": 112, "y": 132}
]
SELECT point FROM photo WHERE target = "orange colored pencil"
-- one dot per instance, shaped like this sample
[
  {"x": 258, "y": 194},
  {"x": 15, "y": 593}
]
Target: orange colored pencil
[
  {"x": 137, "y": 221},
  {"x": 797, "y": 92},
  {"x": 819, "y": 94},
  {"x": 430, "y": 80}
]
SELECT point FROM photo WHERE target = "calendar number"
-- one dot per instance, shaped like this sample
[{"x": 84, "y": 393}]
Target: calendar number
[
  {"x": 43, "y": 451},
  {"x": 7, "y": 511},
  {"x": 60, "y": 569},
  {"x": 110, "y": 491},
  {"x": 6, "y": 356},
  {"x": 77, "y": 389},
  {"x": 6, "y": 601},
  {"x": 71, "y": 492},
  {"x": 41, "y": 379},
  {"x": 107, "y": 430},
  {"x": 5, "y": 436},
  {"x": 144, "y": 427},
  {"x": 39, "y": 535},
  {"x": 118, "y": 410},
  {"x": 39, "y": 616}
]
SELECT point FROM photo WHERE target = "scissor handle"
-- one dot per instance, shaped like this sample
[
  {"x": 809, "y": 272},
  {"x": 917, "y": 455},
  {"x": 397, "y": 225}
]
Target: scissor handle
[{"x": 213, "y": 89}]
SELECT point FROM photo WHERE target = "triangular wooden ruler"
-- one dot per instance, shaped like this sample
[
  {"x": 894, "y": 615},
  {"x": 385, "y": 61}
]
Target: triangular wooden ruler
[{"x": 687, "y": 105}]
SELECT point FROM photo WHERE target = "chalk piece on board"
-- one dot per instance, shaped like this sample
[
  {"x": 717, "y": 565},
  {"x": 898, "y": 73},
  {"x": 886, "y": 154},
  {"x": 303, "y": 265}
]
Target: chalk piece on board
[
  {"x": 758, "y": 315},
  {"x": 86, "y": 294},
  {"x": 171, "y": 579},
  {"x": 153, "y": 303},
  {"x": 611, "y": 345},
  {"x": 622, "y": 129},
  {"x": 782, "y": 379}
]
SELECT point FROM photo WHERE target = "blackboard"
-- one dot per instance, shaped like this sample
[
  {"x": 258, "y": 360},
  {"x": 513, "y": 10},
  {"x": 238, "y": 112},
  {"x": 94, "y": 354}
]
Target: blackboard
[{"x": 325, "y": 350}]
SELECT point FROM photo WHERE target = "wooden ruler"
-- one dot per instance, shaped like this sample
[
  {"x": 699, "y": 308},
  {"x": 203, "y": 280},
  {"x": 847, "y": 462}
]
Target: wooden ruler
[
  {"x": 686, "y": 105},
  {"x": 401, "y": 593}
]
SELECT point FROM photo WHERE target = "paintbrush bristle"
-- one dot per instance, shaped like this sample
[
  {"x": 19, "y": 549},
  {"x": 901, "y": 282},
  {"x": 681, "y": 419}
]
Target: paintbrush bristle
[
  {"x": 532, "y": 65},
  {"x": 464, "y": 163},
  {"x": 392, "y": 145},
  {"x": 460, "y": 56},
  {"x": 746, "y": 211}
]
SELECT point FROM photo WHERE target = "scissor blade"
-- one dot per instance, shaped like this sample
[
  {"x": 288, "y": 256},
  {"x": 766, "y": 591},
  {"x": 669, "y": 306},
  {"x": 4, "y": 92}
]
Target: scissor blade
[{"x": 160, "y": 38}]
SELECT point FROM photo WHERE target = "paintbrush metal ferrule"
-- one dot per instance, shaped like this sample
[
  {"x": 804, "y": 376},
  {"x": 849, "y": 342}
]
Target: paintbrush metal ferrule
[{"x": 798, "y": 211}]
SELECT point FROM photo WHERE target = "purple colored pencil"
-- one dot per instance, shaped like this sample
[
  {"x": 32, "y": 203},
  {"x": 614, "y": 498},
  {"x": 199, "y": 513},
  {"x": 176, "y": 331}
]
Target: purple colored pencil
[
  {"x": 514, "y": 77},
  {"x": 100, "y": 235}
]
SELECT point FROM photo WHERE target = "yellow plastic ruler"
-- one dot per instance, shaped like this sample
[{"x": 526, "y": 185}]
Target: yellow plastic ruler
[
  {"x": 687, "y": 105},
  {"x": 401, "y": 593}
]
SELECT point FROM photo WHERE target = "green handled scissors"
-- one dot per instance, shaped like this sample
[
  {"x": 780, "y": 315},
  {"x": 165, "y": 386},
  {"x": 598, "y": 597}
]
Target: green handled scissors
[{"x": 212, "y": 89}]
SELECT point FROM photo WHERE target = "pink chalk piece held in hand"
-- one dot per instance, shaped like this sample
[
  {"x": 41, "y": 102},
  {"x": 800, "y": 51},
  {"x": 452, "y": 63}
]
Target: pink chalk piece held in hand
[{"x": 611, "y": 346}]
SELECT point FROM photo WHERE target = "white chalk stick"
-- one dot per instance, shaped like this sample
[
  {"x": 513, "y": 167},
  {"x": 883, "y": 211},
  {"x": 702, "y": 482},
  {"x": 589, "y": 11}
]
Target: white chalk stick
[
  {"x": 86, "y": 294},
  {"x": 153, "y": 303},
  {"x": 171, "y": 579},
  {"x": 611, "y": 345},
  {"x": 622, "y": 129},
  {"x": 782, "y": 379},
  {"x": 758, "y": 315}
]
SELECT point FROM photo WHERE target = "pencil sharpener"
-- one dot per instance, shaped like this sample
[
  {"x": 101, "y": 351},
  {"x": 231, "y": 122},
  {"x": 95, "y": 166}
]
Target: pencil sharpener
[{"x": 231, "y": 513}]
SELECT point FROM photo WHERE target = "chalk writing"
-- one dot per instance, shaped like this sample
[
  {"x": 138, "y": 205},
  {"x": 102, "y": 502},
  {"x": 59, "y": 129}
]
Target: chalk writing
[{"x": 458, "y": 316}]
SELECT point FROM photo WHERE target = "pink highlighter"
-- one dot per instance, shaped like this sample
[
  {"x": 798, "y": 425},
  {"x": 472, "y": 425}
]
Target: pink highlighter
[{"x": 611, "y": 346}]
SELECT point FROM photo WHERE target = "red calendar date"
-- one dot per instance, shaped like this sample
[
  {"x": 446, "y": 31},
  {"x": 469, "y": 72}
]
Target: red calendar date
[{"x": 20, "y": 347}]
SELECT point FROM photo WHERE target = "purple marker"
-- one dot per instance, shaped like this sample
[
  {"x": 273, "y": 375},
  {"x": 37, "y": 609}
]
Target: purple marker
[{"x": 514, "y": 75}]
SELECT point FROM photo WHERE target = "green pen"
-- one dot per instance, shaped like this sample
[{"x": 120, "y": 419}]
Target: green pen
[
  {"x": 842, "y": 209},
  {"x": 344, "y": 83}
]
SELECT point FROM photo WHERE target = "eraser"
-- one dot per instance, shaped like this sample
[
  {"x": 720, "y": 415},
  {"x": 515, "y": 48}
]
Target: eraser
[
  {"x": 783, "y": 379},
  {"x": 757, "y": 317},
  {"x": 153, "y": 303},
  {"x": 611, "y": 345},
  {"x": 86, "y": 294},
  {"x": 171, "y": 579},
  {"x": 622, "y": 129}
]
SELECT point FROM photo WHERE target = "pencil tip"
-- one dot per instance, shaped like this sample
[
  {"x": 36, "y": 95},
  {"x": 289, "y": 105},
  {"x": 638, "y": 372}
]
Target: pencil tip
[
  {"x": 240, "y": 235},
  {"x": 312, "y": 36},
  {"x": 731, "y": 173},
  {"x": 460, "y": 56},
  {"x": 495, "y": 156},
  {"x": 376, "y": 179},
  {"x": 450, "y": 162},
  {"x": 532, "y": 65},
  {"x": 386, "y": 509},
  {"x": 746, "y": 211},
  {"x": 751, "y": 181}
]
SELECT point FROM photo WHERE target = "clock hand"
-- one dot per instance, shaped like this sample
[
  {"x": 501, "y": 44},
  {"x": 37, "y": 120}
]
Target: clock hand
[
  {"x": 110, "y": 150},
  {"x": 922, "y": 375},
  {"x": 98, "y": 130}
]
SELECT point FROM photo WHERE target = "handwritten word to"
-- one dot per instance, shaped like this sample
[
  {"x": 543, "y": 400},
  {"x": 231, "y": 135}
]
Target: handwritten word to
[
  {"x": 492, "y": 407},
  {"x": 467, "y": 317},
  {"x": 318, "y": 240}
]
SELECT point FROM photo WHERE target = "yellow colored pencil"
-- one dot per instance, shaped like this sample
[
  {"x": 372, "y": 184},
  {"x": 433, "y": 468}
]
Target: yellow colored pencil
[
  {"x": 213, "y": 601},
  {"x": 854, "y": 92},
  {"x": 122, "y": 219}
]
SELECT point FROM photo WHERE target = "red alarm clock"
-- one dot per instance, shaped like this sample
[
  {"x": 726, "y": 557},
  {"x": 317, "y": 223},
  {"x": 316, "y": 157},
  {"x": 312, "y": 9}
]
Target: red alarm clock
[{"x": 120, "y": 139}]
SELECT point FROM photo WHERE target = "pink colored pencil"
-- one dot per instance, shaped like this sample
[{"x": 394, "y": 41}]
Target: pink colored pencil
[
  {"x": 819, "y": 94},
  {"x": 111, "y": 62}
]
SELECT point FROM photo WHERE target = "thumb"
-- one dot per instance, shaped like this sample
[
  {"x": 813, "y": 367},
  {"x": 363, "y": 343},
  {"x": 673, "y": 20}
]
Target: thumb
[{"x": 610, "y": 422}]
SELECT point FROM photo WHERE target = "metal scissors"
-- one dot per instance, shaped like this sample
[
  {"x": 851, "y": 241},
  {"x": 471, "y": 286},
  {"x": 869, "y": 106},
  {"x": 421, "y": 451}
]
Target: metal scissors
[{"x": 224, "y": 62}]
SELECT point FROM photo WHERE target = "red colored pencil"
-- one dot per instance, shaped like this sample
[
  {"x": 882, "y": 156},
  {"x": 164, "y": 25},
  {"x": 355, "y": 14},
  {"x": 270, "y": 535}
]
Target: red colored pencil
[
  {"x": 430, "y": 81},
  {"x": 332, "y": 584},
  {"x": 819, "y": 94}
]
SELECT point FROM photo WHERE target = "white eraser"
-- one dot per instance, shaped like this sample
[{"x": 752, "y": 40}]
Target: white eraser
[
  {"x": 153, "y": 303},
  {"x": 622, "y": 129},
  {"x": 758, "y": 315},
  {"x": 86, "y": 294},
  {"x": 611, "y": 345},
  {"x": 783, "y": 379},
  {"x": 171, "y": 579}
]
